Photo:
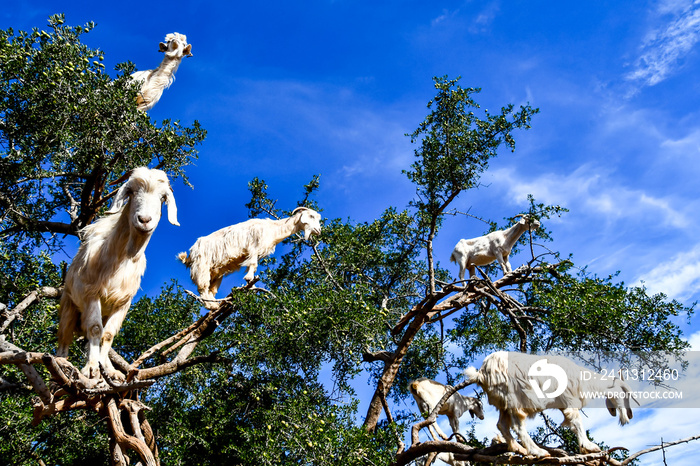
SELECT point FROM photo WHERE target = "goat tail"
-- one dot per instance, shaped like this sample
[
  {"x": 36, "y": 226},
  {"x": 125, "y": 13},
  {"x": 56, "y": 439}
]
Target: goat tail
[
  {"x": 184, "y": 259},
  {"x": 472, "y": 375},
  {"x": 453, "y": 258},
  {"x": 67, "y": 324},
  {"x": 413, "y": 386}
]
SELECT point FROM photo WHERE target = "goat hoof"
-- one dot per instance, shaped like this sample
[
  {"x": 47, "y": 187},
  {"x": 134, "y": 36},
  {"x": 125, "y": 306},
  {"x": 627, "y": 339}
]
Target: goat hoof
[
  {"x": 516, "y": 448},
  {"x": 116, "y": 375},
  {"x": 537, "y": 453},
  {"x": 589, "y": 447},
  {"x": 91, "y": 371}
]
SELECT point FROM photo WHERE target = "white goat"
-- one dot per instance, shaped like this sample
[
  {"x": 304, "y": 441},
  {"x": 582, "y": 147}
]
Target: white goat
[
  {"x": 242, "y": 245},
  {"x": 428, "y": 393},
  {"x": 518, "y": 385},
  {"x": 107, "y": 269},
  {"x": 495, "y": 246},
  {"x": 154, "y": 82}
]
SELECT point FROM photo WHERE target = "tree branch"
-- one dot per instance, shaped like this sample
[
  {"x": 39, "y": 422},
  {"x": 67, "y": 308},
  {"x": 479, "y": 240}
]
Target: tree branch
[
  {"x": 11, "y": 314},
  {"x": 632, "y": 457},
  {"x": 24, "y": 362},
  {"x": 125, "y": 440},
  {"x": 325, "y": 269}
]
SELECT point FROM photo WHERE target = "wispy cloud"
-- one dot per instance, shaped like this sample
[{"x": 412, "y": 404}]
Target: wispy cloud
[
  {"x": 484, "y": 19},
  {"x": 679, "y": 277},
  {"x": 685, "y": 148},
  {"x": 590, "y": 189},
  {"x": 664, "y": 48},
  {"x": 477, "y": 23},
  {"x": 694, "y": 341},
  {"x": 440, "y": 19}
]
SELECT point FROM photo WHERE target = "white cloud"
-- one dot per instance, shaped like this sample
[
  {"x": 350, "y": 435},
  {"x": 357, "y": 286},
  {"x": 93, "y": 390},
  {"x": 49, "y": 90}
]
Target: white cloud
[
  {"x": 686, "y": 147},
  {"x": 592, "y": 190},
  {"x": 664, "y": 48},
  {"x": 649, "y": 427},
  {"x": 694, "y": 341},
  {"x": 679, "y": 277},
  {"x": 445, "y": 15}
]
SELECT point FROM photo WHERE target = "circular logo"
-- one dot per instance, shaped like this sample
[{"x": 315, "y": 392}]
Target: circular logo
[{"x": 541, "y": 369}]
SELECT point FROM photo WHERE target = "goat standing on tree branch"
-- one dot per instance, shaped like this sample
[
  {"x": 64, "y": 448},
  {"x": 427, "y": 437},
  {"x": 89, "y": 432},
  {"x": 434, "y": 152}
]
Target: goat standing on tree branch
[
  {"x": 154, "y": 82},
  {"x": 518, "y": 385},
  {"x": 428, "y": 393},
  {"x": 242, "y": 245},
  {"x": 495, "y": 246},
  {"x": 107, "y": 269}
]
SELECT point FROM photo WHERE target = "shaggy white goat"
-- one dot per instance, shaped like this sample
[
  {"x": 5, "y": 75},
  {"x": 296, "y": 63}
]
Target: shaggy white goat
[
  {"x": 107, "y": 269},
  {"x": 154, "y": 82},
  {"x": 428, "y": 393},
  {"x": 242, "y": 245},
  {"x": 495, "y": 246},
  {"x": 519, "y": 384}
]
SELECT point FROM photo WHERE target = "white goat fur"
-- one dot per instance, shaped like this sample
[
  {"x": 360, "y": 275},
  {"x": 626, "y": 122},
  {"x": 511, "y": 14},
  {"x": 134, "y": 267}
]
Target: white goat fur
[
  {"x": 154, "y": 82},
  {"x": 107, "y": 269},
  {"x": 505, "y": 379},
  {"x": 428, "y": 393},
  {"x": 495, "y": 246},
  {"x": 242, "y": 245}
]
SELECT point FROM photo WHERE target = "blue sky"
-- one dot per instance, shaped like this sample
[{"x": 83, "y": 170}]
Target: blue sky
[{"x": 288, "y": 91}]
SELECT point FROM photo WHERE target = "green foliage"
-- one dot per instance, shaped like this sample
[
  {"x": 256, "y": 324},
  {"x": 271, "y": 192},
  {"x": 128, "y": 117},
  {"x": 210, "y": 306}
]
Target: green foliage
[
  {"x": 151, "y": 320},
  {"x": 580, "y": 313},
  {"x": 74, "y": 438},
  {"x": 263, "y": 419},
  {"x": 595, "y": 314},
  {"x": 284, "y": 391},
  {"x": 260, "y": 202},
  {"x": 57, "y": 104},
  {"x": 457, "y": 145},
  {"x": 556, "y": 436}
]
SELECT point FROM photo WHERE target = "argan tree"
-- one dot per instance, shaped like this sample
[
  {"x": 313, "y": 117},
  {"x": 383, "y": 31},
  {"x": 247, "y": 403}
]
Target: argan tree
[{"x": 265, "y": 375}]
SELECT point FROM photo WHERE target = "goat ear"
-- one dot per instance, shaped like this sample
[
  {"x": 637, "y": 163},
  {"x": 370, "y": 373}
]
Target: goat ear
[
  {"x": 611, "y": 407},
  {"x": 162, "y": 47},
  {"x": 172, "y": 207},
  {"x": 120, "y": 199},
  {"x": 187, "y": 52}
]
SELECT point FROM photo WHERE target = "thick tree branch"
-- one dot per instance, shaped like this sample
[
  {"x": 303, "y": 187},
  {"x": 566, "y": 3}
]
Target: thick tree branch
[
  {"x": 124, "y": 440},
  {"x": 495, "y": 455},
  {"x": 12, "y": 353},
  {"x": 9, "y": 315}
]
